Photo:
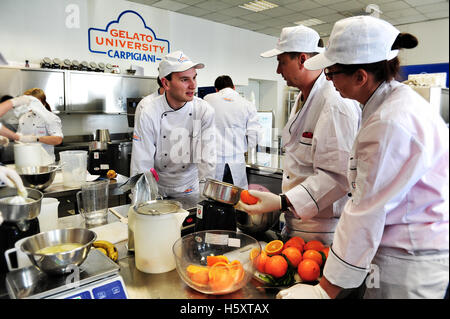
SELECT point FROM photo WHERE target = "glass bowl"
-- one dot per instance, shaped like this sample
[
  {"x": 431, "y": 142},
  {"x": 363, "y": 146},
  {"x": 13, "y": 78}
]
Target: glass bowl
[{"x": 201, "y": 265}]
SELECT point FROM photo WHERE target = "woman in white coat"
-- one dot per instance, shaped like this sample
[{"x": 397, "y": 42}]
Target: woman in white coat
[
  {"x": 395, "y": 227},
  {"x": 36, "y": 121}
]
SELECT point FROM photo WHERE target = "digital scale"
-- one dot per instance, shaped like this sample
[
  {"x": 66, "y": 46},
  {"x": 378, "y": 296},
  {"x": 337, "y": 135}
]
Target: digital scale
[{"x": 98, "y": 279}]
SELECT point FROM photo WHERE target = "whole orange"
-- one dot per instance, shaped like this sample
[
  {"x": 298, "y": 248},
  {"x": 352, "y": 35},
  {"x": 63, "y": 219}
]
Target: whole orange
[
  {"x": 276, "y": 266},
  {"x": 314, "y": 255},
  {"x": 314, "y": 245},
  {"x": 293, "y": 255},
  {"x": 260, "y": 261},
  {"x": 308, "y": 270},
  {"x": 296, "y": 242},
  {"x": 247, "y": 198}
]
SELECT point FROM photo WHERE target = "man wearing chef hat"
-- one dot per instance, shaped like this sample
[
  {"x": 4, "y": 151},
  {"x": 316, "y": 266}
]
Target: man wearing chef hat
[
  {"x": 317, "y": 140},
  {"x": 175, "y": 133}
]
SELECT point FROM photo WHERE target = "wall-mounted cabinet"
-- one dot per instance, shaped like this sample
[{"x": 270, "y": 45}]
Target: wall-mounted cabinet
[{"x": 77, "y": 91}]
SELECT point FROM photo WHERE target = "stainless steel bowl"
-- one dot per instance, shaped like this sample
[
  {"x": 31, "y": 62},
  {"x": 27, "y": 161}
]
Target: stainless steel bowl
[
  {"x": 38, "y": 177},
  {"x": 20, "y": 212},
  {"x": 63, "y": 262},
  {"x": 252, "y": 224},
  {"x": 222, "y": 192}
]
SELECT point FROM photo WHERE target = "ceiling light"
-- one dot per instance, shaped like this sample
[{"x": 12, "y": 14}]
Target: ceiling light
[
  {"x": 258, "y": 5},
  {"x": 310, "y": 22}
]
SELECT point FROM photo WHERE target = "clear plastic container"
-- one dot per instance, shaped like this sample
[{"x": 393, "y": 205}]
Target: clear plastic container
[{"x": 73, "y": 167}]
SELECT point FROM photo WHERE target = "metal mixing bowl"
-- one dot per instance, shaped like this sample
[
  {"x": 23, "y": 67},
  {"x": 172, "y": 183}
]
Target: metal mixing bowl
[
  {"x": 38, "y": 177},
  {"x": 20, "y": 212},
  {"x": 252, "y": 224},
  {"x": 62, "y": 262},
  {"x": 221, "y": 192}
]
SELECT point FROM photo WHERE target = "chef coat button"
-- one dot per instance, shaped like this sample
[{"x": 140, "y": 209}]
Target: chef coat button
[
  {"x": 349, "y": 194},
  {"x": 165, "y": 114},
  {"x": 182, "y": 166},
  {"x": 164, "y": 136},
  {"x": 190, "y": 114},
  {"x": 165, "y": 154},
  {"x": 165, "y": 166},
  {"x": 287, "y": 177}
]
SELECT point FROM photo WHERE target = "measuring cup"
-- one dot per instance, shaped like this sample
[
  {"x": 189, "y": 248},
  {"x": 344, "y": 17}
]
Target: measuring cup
[
  {"x": 93, "y": 202},
  {"x": 73, "y": 167}
]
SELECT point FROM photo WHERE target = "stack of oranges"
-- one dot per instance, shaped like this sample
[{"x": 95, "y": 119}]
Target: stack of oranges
[{"x": 307, "y": 259}]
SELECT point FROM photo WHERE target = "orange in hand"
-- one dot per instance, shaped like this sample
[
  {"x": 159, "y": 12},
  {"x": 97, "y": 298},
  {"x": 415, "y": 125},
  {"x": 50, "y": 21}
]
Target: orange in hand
[
  {"x": 314, "y": 245},
  {"x": 293, "y": 255},
  {"x": 274, "y": 247},
  {"x": 308, "y": 270},
  {"x": 247, "y": 198},
  {"x": 314, "y": 255}
]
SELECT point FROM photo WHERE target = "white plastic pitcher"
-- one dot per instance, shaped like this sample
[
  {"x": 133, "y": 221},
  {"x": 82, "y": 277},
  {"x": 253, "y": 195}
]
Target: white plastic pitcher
[
  {"x": 48, "y": 217},
  {"x": 73, "y": 167},
  {"x": 22, "y": 259},
  {"x": 154, "y": 236}
]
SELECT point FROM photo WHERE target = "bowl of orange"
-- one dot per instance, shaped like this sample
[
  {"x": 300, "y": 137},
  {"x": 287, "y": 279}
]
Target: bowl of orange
[{"x": 215, "y": 261}]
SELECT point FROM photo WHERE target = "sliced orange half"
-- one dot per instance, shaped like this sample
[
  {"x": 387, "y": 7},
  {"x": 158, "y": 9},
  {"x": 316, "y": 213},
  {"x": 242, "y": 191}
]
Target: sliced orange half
[
  {"x": 220, "y": 276},
  {"x": 198, "y": 274},
  {"x": 274, "y": 247}
]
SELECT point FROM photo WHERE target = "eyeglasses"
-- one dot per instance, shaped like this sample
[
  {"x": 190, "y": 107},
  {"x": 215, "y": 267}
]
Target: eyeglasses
[{"x": 330, "y": 75}]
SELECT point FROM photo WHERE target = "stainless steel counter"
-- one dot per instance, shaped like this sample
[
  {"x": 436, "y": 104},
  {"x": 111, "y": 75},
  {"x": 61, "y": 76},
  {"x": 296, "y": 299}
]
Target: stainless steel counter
[{"x": 168, "y": 285}]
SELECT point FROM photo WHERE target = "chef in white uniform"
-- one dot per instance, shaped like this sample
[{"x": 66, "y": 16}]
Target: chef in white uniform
[
  {"x": 36, "y": 123},
  {"x": 237, "y": 129},
  {"x": 175, "y": 134},
  {"x": 396, "y": 224},
  {"x": 317, "y": 140}
]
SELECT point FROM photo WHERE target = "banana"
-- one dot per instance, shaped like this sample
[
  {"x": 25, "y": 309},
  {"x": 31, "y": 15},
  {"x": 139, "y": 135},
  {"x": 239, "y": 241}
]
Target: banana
[
  {"x": 111, "y": 250},
  {"x": 102, "y": 250}
]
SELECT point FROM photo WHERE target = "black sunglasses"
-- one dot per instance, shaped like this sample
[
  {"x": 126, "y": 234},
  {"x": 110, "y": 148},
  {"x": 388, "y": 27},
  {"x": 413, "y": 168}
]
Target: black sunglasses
[{"x": 330, "y": 75}]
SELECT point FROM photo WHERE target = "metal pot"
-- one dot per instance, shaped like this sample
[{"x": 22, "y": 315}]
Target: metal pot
[
  {"x": 102, "y": 135},
  {"x": 37, "y": 177},
  {"x": 60, "y": 262},
  {"x": 222, "y": 192}
]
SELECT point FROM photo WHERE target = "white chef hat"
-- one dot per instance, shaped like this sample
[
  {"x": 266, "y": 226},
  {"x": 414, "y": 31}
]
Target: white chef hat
[
  {"x": 295, "y": 39},
  {"x": 176, "y": 61},
  {"x": 357, "y": 40}
]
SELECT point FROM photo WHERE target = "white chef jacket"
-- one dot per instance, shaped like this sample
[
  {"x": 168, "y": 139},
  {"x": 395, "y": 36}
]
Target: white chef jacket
[
  {"x": 237, "y": 129},
  {"x": 317, "y": 141},
  {"x": 399, "y": 175},
  {"x": 178, "y": 144},
  {"x": 142, "y": 103},
  {"x": 40, "y": 122}
]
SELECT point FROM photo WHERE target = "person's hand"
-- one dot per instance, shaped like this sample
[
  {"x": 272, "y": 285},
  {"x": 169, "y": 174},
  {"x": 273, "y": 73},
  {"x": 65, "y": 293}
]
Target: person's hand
[
  {"x": 267, "y": 202},
  {"x": 4, "y": 141},
  {"x": 28, "y": 138},
  {"x": 10, "y": 177},
  {"x": 303, "y": 291}
]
